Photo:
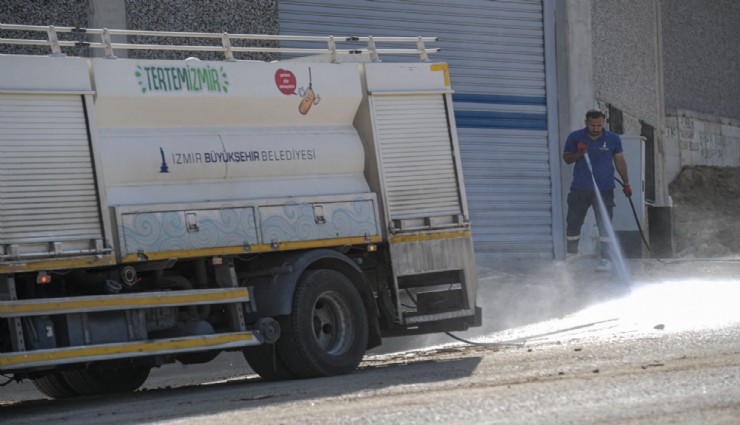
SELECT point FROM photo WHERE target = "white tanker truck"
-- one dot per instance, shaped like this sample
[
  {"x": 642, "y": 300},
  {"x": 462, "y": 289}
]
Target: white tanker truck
[{"x": 154, "y": 211}]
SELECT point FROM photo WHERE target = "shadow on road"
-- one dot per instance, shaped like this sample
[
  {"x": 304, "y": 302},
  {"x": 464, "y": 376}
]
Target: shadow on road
[{"x": 241, "y": 393}]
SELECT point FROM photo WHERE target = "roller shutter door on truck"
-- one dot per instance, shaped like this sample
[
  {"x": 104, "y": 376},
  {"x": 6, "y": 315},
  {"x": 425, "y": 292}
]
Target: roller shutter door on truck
[
  {"x": 415, "y": 149},
  {"x": 48, "y": 192},
  {"x": 496, "y": 52}
]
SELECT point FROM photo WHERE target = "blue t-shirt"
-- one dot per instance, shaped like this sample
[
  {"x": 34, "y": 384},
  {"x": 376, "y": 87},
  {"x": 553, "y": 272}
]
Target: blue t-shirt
[{"x": 601, "y": 153}]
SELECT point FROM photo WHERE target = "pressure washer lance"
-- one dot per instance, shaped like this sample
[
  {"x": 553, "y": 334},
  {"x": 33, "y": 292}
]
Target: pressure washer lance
[{"x": 617, "y": 256}]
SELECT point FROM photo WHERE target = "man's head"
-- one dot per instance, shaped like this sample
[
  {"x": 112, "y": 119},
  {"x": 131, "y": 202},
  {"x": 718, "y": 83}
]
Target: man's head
[{"x": 595, "y": 122}]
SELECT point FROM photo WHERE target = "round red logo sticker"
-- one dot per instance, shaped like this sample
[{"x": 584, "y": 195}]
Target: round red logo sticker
[{"x": 285, "y": 81}]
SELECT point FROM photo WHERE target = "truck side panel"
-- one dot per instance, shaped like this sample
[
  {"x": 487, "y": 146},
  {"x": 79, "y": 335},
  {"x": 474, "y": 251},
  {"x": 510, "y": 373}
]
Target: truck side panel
[{"x": 179, "y": 230}]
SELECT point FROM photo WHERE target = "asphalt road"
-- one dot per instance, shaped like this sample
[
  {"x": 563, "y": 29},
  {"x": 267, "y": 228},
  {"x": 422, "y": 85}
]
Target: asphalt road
[{"x": 559, "y": 345}]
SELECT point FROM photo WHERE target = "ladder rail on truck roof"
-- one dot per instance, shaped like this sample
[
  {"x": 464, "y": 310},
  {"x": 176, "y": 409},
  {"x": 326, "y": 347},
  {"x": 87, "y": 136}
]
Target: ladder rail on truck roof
[{"x": 308, "y": 208}]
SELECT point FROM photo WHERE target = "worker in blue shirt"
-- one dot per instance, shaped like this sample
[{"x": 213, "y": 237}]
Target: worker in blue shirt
[{"x": 604, "y": 150}]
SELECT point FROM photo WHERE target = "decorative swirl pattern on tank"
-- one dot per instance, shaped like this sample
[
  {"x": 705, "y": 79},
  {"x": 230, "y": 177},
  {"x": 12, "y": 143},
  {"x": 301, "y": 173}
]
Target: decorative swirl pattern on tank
[
  {"x": 236, "y": 226},
  {"x": 298, "y": 222},
  {"x": 168, "y": 231}
]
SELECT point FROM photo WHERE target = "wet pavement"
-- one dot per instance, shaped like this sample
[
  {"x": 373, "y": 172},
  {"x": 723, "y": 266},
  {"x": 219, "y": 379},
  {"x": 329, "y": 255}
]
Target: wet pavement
[
  {"x": 513, "y": 294},
  {"x": 522, "y": 300}
]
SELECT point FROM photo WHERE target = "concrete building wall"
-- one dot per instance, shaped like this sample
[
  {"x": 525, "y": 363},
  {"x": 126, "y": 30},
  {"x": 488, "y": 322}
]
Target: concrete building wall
[
  {"x": 233, "y": 16},
  {"x": 700, "y": 139},
  {"x": 67, "y": 13},
  {"x": 701, "y": 42},
  {"x": 625, "y": 59}
]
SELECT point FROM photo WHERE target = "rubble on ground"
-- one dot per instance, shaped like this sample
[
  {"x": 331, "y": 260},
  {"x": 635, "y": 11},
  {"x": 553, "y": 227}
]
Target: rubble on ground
[{"x": 706, "y": 203}]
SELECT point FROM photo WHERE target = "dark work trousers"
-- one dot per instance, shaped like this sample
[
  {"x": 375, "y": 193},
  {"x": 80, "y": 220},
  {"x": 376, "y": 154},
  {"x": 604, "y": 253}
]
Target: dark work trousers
[{"x": 579, "y": 201}]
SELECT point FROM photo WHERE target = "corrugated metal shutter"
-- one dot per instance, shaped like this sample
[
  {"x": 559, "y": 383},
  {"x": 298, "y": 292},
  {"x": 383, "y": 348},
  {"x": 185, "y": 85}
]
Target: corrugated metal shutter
[
  {"x": 414, "y": 144},
  {"x": 496, "y": 54},
  {"x": 47, "y": 190}
]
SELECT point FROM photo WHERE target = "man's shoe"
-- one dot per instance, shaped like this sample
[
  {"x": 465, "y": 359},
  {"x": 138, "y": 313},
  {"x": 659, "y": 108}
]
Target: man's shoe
[{"x": 604, "y": 265}]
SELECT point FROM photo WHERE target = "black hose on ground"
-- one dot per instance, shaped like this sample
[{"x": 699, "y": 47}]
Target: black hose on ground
[{"x": 483, "y": 344}]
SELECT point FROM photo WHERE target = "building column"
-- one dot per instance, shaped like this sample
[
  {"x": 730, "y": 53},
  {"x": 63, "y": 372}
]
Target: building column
[
  {"x": 575, "y": 93},
  {"x": 109, "y": 14}
]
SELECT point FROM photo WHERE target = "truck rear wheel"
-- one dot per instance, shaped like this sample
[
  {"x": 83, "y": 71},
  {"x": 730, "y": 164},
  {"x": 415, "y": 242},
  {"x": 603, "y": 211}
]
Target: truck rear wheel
[
  {"x": 106, "y": 381},
  {"x": 54, "y": 385},
  {"x": 327, "y": 331}
]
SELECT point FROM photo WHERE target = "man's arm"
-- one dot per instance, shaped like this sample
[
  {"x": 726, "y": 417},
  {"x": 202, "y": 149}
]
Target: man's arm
[
  {"x": 571, "y": 157},
  {"x": 621, "y": 165}
]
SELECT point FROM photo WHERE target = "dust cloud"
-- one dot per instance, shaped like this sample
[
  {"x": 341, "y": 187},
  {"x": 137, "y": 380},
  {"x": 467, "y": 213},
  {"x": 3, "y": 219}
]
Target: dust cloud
[{"x": 705, "y": 267}]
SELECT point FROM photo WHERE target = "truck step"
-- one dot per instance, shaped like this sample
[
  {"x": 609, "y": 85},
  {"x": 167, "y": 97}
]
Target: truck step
[
  {"x": 44, "y": 306},
  {"x": 67, "y": 355}
]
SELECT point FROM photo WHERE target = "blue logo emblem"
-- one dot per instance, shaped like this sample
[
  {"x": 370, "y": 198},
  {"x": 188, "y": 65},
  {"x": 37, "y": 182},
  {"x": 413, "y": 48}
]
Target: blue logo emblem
[{"x": 163, "y": 168}]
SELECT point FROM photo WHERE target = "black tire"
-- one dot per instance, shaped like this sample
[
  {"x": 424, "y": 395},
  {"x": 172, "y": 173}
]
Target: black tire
[
  {"x": 265, "y": 362},
  {"x": 54, "y": 385},
  {"x": 106, "y": 381},
  {"x": 327, "y": 331}
]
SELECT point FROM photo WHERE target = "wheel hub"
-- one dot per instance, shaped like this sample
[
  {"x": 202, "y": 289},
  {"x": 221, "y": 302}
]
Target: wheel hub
[{"x": 332, "y": 323}]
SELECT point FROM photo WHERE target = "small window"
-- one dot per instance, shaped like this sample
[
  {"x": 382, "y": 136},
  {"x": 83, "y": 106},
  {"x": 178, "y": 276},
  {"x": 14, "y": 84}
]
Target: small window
[
  {"x": 615, "y": 120},
  {"x": 648, "y": 132}
]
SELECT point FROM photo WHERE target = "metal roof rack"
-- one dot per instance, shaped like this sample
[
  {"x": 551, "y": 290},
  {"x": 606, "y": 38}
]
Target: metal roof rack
[{"x": 226, "y": 46}]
